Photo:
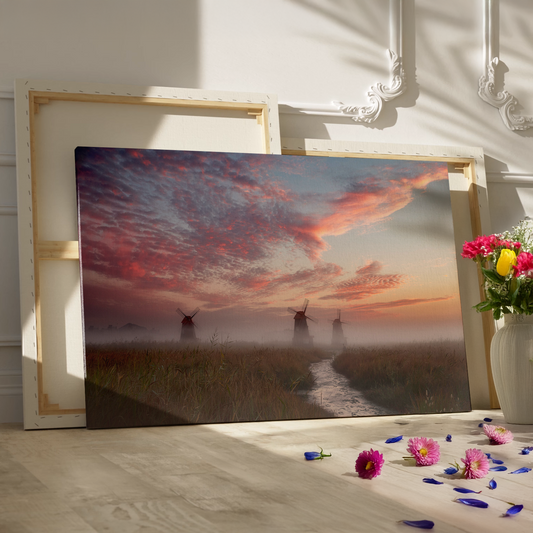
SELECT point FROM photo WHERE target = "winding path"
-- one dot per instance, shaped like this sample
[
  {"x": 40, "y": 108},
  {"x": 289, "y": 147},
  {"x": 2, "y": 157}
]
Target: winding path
[{"x": 332, "y": 391}]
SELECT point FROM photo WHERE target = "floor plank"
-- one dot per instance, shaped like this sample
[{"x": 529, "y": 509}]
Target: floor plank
[{"x": 252, "y": 477}]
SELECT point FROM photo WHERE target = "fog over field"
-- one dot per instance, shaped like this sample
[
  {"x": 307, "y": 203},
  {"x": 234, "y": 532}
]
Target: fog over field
[{"x": 244, "y": 237}]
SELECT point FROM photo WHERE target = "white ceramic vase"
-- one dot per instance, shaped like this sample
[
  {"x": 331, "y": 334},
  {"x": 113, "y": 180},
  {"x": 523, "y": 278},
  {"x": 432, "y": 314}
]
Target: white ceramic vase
[{"x": 511, "y": 357}]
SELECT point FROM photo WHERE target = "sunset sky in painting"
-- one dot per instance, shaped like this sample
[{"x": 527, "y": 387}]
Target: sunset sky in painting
[{"x": 243, "y": 237}]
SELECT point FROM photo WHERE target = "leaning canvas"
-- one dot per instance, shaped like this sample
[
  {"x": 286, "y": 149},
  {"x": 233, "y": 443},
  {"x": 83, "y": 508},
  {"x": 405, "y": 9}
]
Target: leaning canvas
[{"x": 224, "y": 287}]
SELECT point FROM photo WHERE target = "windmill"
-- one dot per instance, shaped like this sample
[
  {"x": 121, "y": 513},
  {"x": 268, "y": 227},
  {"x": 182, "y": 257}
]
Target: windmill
[
  {"x": 187, "y": 326},
  {"x": 338, "y": 338},
  {"x": 301, "y": 330}
]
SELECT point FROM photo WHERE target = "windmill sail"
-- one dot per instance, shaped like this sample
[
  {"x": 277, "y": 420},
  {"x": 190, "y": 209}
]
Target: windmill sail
[
  {"x": 187, "y": 326},
  {"x": 338, "y": 338},
  {"x": 301, "y": 335}
]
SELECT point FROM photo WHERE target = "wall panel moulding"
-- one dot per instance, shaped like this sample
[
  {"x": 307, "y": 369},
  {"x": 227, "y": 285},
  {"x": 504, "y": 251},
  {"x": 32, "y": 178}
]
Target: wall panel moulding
[
  {"x": 503, "y": 100},
  {"x": 8, "y": 341},
  {"x": 378, "y": 94},
  {"x": 510, "y": 177},
  {"x": 7, "y": 160},
  {"x": 7, "y": 93}
]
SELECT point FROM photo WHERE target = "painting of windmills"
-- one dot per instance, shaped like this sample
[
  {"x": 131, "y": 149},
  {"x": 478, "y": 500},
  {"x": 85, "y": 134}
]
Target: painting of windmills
[
  {"x": 314, "y": 301},
  {"x": 301, "y": 335},
  {"x": 337, "y": 336},
  {"x": 188, "y": 333}
]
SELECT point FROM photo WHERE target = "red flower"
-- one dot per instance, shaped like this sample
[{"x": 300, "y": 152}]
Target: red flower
[
  {"x": 524, "y": 265},
  {"x": 482, "y": 245},
  {"x": 512, "y": 245},
  {"x": 369, "y": 464}
]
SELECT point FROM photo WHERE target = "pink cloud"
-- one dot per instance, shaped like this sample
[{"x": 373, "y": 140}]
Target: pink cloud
[
  {"x": 378, "y": 306},
  {"x": 367, "y": 282}
]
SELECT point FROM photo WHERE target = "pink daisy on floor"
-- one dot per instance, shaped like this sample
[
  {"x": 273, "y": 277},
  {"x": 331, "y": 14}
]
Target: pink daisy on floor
[
  {"x": 425, "y": 451},
  {"x": 476, "y": 464},
  {"x": 497, "y": 434},
  {"x": 369, "y": 464}
]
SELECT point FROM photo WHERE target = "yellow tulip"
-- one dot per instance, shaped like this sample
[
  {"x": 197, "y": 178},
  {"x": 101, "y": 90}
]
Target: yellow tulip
[{"x": 505, "y": 262}]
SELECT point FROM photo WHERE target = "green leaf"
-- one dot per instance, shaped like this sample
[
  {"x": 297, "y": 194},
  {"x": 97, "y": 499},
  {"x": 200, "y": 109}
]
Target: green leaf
[
  {"x": 483, "y": 306},
  {"x": 515, "y": 287},
  {"x": 495, "y": 297},
  {"x": 493, "y": 276}
]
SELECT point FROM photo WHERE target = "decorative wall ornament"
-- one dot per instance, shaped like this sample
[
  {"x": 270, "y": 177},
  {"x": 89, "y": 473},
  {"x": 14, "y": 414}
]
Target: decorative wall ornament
[
  {"x": 378, "y": 93},
  {"x": 503, "y": 100}
]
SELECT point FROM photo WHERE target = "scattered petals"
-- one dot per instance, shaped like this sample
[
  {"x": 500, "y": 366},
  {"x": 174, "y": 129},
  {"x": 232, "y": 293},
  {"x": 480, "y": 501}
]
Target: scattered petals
[
  {"x": 492, "y": 484},
  {"x": 420, "y": 524},
  {"x": 472, "y": 502},
  {"x": 488, "y": 455},
  {"x": 425, "y": 451},
  {"x": 369, "y": 464},
  {"x": 432, "y": 481},
  {"x": 498, "y": 468},
  {"x": 394, "y": 439},
  {"x": 466, "y": 491},
  {"x": 497, "y": 461},
  {"x": 521, "y": 471},
  {"x": 448, "y": 438},
  {"x": 487, "y": 420},
  {"x": 497, "y": 434},
  {"x": 480, "y": 425},
  {"x": 476, "y": 464},
  {"x": 526, "y": 450},
  {"x": 451, "y": 470},
  {"x": 515, "y": 509}
]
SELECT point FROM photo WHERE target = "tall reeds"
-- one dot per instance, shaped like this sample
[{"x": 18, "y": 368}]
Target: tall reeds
[
  {"x": 144, "y": 383},
  {"x": 426, "y": 377}
]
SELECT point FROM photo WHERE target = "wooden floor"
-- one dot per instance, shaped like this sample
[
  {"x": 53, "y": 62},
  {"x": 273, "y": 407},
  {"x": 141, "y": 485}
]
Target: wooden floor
[{"x": 252, "y": 477}]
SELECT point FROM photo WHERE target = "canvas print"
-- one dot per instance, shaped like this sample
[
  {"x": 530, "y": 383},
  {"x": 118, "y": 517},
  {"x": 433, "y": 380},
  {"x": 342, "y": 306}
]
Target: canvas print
[{"x": 224, "y": 287}]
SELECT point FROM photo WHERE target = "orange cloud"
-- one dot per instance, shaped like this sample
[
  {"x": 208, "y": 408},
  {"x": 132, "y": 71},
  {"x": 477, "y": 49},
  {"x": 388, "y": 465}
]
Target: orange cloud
[
  {"x": 370, "y": 203},
  {"x": 373, "y": 307},
  {"x": 367, "y": 282}
]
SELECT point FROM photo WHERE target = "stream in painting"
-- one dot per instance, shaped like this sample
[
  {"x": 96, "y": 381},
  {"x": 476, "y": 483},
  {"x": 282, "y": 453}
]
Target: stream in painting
[{"x": 332, "y": 391}]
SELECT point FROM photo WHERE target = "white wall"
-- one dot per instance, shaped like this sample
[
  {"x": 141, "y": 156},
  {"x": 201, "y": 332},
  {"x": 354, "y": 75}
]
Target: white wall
[{"x": 305, "y": 51}]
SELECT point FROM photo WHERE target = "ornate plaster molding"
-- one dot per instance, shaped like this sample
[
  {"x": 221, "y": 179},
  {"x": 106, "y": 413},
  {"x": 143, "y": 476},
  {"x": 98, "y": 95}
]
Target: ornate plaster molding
[
  {"x": 379, "y": 93},
  {"x": 503, "y": 100}
]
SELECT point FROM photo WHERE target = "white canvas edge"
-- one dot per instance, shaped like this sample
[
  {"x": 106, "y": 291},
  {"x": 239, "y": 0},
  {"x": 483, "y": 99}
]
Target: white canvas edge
[
  {"x": 31, "y": 416},
  {"x": 473, "y": 326}
]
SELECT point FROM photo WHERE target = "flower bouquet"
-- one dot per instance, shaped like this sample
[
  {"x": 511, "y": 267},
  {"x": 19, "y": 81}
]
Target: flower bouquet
[{"x": 506, "y": 262}]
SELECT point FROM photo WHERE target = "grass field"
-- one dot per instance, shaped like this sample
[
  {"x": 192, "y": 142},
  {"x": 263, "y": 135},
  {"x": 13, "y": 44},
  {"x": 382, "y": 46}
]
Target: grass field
[
  {"x": 410, "y": 378},
  {"x": 157, "y": 383}
]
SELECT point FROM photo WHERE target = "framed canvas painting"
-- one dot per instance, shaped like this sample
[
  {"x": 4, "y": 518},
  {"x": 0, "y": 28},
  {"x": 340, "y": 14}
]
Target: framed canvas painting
[
  {"x": 52, "y": 119},
  {"x": 224, "y": 287}
]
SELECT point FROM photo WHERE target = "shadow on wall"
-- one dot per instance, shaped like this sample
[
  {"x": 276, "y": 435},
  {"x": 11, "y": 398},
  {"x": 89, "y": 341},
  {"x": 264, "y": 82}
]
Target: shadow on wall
[
  {"x": 347, "y": 17},
  {"x": 127, "y": 42},
  {"x": 451, "y": 42}
]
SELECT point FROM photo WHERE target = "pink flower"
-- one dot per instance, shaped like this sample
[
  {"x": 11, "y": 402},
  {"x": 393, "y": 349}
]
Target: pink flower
[
  {"x": 425, "y": 451},
  {"x": 497, "y": 434},
  {"x": 482, "y": 245},
  {"x": 524, "y": 265},
  {"x": 369, "y": 464},
  {"x": 476, "y": 464}
]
